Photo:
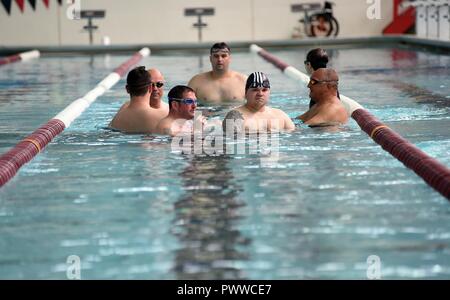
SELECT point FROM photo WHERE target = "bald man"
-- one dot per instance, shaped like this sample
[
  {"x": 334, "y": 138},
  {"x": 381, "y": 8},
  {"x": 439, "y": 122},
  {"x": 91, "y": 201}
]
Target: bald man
[
  {"x": 157, "y": 92},
  {"x": 328, "y": 110}
]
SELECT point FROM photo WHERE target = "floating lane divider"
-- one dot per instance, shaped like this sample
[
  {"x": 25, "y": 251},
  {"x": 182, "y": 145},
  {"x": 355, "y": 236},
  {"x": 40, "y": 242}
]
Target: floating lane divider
[
  {"x": 429, "y": 169},
  {"x": 24, "y": 151},
  {"x": 24, "y": 56}
]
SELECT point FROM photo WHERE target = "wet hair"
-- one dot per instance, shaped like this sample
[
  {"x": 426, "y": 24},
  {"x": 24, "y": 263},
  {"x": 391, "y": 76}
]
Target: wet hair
[
  {"x": 138, "y": 81},
  {"x": 177, "y": 92},
  {"x": 219, "y": 46},
  {"x": 318, "y": 58}
]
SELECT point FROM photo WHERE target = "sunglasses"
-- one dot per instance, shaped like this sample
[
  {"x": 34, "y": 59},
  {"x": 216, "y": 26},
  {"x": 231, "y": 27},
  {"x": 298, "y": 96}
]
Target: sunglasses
[
  {"x": 313, "y": 81},
  {"x": 187, "y": 101},
  {"x": 158, "y": 84}
]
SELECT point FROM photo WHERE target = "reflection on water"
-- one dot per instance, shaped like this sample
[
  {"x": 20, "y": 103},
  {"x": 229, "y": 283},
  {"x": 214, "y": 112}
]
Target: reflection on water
[{"x": 206, "y": 221}]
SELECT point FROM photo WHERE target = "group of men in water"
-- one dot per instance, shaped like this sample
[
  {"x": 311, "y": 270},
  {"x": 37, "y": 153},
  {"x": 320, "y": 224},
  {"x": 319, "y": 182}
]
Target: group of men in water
[{"x": 147, "y": 113}]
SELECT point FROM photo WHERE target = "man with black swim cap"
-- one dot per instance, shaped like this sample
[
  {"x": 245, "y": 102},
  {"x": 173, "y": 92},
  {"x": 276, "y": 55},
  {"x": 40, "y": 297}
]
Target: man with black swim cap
[
  {"x": 256, "y": 115},
  {"x": 220, "y": 84},
  {"x": 137, "y": 116}
]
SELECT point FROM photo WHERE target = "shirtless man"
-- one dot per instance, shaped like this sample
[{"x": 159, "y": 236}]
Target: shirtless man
[
  {"x": 328, "y": 109},
  {"x": 182, "y": 105},
  {"x": 161, "y": 109},
  {"x": 316, "y": 59},
  {"x": 220, "y": 84},
  {"x": 256, "y": 115},
  {"x": 157, "y": 93},
  {"x": 137, "y": 116}
]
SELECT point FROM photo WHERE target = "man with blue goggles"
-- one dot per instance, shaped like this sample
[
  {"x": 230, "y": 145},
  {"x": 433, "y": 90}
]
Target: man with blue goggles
[{"x": 182, "y": 106}]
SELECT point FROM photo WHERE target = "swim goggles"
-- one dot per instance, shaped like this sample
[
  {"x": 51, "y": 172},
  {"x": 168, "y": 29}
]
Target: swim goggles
[
  {"x": 313, "y": 81},
  {"x": 187, "y": 101},
  {"x": 264, "y": 84}
]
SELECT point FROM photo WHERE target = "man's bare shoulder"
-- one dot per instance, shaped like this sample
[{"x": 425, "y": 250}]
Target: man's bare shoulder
[
  {"x": 163, "y": 127},
  {"x": 120, "y": 117},
  {"x": 161, "y": 112},
  {"x": 125, "y": 105},
  {"x": 199, "y": 78},
  {"x": 239, "y": 76},
  {"x": 277, "y": 112}
]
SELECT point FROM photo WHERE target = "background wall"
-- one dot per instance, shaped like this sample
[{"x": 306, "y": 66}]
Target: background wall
[{"x": 163, "y": 21}]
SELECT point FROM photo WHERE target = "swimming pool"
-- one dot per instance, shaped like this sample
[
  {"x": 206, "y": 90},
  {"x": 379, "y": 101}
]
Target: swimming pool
[{"x": 130, "y": 208}]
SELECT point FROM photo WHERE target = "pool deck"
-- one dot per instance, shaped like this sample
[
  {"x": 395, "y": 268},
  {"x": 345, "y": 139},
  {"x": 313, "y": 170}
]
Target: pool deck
[{"x": 376, "y": 41}]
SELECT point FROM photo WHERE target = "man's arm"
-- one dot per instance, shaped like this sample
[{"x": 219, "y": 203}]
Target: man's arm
[
  {"x": 194, "y": 82},
  {"x": 305, "y": 116},
  {"x": 322, "y": 119},
  {"x": 287, "y": 122}
]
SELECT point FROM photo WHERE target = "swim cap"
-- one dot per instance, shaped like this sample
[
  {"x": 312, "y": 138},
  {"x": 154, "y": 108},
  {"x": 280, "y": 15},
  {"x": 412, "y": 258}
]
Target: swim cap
[
  {"x": 257, "y": 79},
  {"x": 220, "y": 47}
]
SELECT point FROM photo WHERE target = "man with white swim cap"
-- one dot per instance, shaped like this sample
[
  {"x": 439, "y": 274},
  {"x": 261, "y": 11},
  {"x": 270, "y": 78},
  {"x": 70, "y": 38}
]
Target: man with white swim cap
[
  {"x": 220, "y": 84},
  {"x": 137, "y": 116},
  {"x": 328, "y": 109},
  {"x": 255, "y": 113}
]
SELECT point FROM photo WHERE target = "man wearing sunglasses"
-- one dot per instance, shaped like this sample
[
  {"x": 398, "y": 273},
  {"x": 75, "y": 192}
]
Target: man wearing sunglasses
[
  {"x": 315, "y": 59},
  {"x": 136, "y": 116},
  {"x": 157, "y": 92},
  {"x": 220, "y": 84},
  {"x": 182, "y": 105},
  {"x": 328, "y": 109},
  {"x": 256, "y": 115}
]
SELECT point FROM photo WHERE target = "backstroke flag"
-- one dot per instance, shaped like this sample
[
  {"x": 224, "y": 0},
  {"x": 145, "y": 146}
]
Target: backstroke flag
[
  {"x": 32, "y": 3},
  {"x": 21, "y": 4},
  {"x": 7, "y": 5}
]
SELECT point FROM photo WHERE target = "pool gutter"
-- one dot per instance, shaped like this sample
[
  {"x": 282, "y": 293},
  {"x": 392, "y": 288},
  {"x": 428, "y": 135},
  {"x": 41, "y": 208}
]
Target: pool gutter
[{"x": 376, "y": 41}]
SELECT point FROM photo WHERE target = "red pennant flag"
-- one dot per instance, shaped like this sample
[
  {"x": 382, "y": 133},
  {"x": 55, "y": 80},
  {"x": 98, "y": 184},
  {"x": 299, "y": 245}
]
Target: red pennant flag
[
  {"x": 46, "y": 3},
  {"x": 21, "y": 4},
  {"x": 7, "y": 5}
]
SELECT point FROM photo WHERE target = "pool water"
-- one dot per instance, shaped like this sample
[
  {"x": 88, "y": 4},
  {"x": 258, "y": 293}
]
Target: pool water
[{"x": 131, "y": 208}]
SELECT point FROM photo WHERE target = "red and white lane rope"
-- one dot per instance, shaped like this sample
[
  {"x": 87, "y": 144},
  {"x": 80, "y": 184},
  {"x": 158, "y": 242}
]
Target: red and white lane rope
[
  {"x": 24, "y": 56},
  {"x": 24, "y": 151},
  {"x": 429, "y": 169}
]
